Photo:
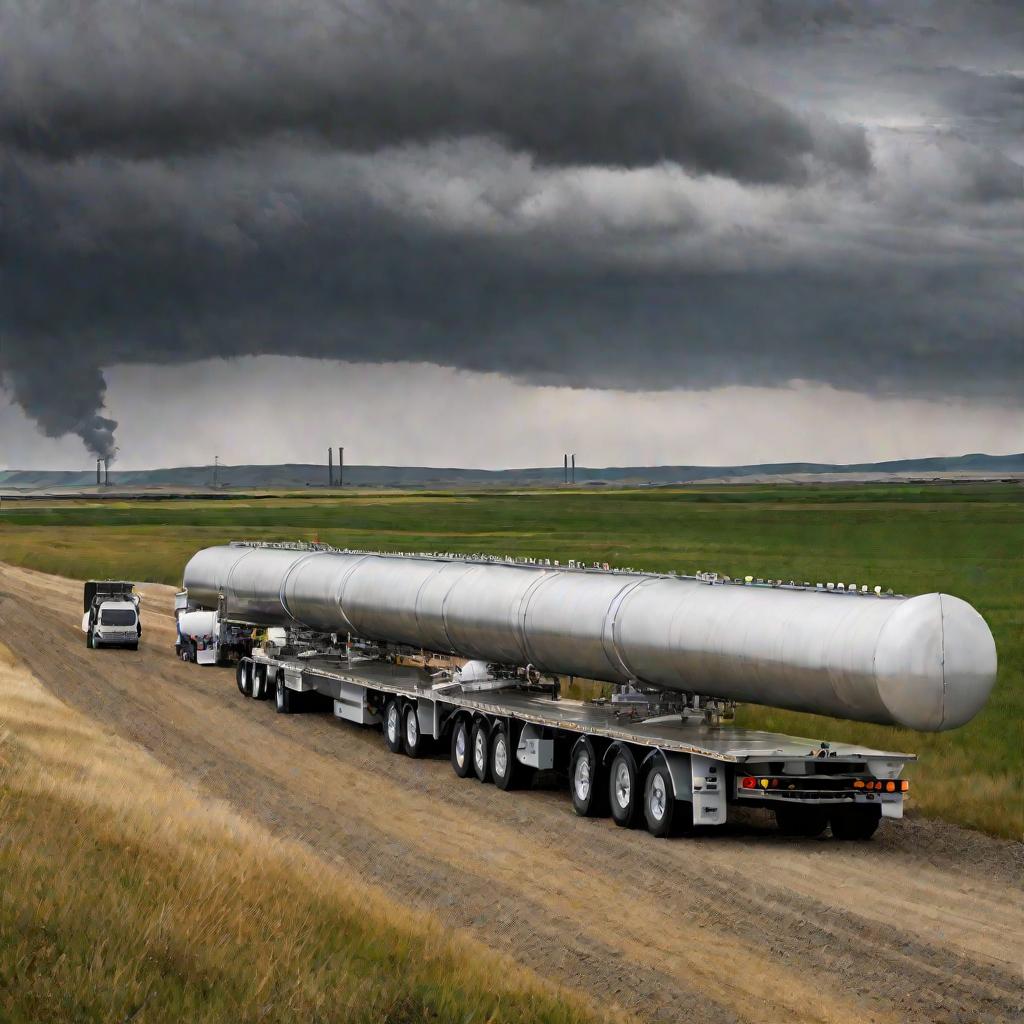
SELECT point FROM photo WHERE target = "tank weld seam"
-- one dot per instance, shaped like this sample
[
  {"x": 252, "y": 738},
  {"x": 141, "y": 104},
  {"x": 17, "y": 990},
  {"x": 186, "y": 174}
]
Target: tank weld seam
[
  {"x": 343, "y": 587},
  {"x": 942, "y": 657},
  {"x": 612, "y": 625},
  {"x": 522, "y": 636},
  {"x": 284, "y": 583},
  {"x": 444, "y": 604},
  {"x": 223, "y": 589}
]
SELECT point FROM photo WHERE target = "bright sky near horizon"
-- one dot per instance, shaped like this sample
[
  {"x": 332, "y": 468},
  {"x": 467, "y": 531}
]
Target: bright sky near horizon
[{"x": 424, "y": 415}]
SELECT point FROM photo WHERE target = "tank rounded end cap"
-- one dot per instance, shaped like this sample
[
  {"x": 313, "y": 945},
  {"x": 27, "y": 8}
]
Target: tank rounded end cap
[{"x": 935, "y": 663}]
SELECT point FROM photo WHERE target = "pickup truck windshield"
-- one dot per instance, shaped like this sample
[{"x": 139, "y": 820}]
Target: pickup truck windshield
[{"x": 117, "y": 617}]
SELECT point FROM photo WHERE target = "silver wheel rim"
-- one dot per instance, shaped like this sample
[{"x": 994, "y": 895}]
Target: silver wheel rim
[
  {"x": 392, "y": 723},
  {"x": 460, "y": 745},
  {"x": 581, "y": 777},
  {"x": 658, "y": 801},
  {"x": 412, "y": 728},
  {"x": 478, "y": 752},
  {"x": 622, "y": 784},
  {"x": 500, "y": 757}
]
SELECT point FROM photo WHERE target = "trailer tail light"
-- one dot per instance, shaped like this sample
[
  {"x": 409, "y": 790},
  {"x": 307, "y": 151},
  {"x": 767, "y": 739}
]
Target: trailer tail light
[
  {"x": 858, "y": 783},
  {"x": 748, "y": 782},
  {"x": 764, "y": 783},
  {"x": 904, "y": 785},
  {"x": 890, "y": 787}
]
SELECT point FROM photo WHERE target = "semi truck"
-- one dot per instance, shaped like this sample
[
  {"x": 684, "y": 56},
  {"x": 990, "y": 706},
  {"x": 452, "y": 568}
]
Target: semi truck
[
  {"x": 468, "y": 654},
  {"x": 110, "y": 616}
]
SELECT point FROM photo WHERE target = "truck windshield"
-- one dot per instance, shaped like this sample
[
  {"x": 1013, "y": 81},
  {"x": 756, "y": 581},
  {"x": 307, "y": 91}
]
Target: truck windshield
[{"x": 117, "y": 617}]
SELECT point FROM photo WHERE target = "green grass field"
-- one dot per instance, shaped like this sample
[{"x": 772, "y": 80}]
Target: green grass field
[{"x": 963, "y": 539}]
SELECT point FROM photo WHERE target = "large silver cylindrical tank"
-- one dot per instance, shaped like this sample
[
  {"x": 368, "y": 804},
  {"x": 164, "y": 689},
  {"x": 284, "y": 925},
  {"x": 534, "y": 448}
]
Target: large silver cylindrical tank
[{"x": 925, "y": 662}]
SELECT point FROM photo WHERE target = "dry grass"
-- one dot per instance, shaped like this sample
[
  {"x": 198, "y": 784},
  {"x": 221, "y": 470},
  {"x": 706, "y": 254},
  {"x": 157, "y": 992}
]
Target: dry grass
[{"x": 125, "y": 895}]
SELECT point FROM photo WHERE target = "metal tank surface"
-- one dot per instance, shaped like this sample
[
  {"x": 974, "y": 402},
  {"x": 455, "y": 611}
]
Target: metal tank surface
[{"x": 926, "y": 663}]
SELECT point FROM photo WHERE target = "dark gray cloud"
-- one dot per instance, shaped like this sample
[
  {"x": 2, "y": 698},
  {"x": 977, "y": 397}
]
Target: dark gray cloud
[
  {"x": 571, "y": 83},
  {"x": 612, "y": 201}
]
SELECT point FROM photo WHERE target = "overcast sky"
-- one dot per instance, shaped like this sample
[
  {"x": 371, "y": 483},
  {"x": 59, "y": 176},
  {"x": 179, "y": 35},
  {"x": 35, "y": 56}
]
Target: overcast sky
[{"x": 700, "y": 231}]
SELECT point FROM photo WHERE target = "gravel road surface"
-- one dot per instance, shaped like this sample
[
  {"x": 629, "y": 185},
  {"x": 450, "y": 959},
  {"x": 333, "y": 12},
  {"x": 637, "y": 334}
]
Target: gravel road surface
[{"x": 924, "y": 924}]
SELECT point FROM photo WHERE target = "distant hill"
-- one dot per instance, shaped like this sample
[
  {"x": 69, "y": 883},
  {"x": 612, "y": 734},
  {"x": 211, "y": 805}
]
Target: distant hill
[{"x": 297, "y": 475}]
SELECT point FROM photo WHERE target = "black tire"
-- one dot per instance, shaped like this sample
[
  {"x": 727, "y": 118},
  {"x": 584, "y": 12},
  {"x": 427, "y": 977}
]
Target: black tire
[
  {"x": 506, "y": 771},
  {"x": 393, "y": 725},
  {"x": 243, "y": 674},
  {"x": 414, "y": 742},
  {"x": 462, "y": 743},
  {"x": 801, "y": 820},
  {"x": 663, "y": 814},
  {"x": 480, "y": 750},
  {"x": 624, "y": 793},
  {"x": 258, "y": 685},
  {"x": 284, "y": 699},
  {"x": 88, "y": 639},
  {"x": 588, "y": 784},
  {"x": 133, "y": 647},
  {"x": 856, "y": 823}
]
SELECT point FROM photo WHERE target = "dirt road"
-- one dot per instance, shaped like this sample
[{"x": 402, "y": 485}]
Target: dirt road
[{"x": 926, "y": 923}]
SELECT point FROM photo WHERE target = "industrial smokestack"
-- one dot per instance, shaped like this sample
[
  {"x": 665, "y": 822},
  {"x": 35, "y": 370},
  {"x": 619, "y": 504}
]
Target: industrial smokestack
[
  {"x": 565, "y": 468},
  {"x": 106, "y": 472},
  {"x": 330, "y": 466},
  {"x": 99, "y": 479},
  {"x": 574, "y": 467},
  {"x": 341, "y": 466}
]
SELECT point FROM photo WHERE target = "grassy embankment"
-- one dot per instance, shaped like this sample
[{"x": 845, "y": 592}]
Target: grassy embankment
[
  {"x": 965, "y": 540},
  {"x": 124, "y": 895}
]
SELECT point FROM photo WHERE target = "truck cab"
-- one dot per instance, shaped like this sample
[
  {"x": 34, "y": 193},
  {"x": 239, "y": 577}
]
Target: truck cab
[{"x": 111, "y": 615}]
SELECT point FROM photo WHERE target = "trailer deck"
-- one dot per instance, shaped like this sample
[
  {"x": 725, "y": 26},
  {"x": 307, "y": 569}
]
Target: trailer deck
[{"x": 673, "y": 733}]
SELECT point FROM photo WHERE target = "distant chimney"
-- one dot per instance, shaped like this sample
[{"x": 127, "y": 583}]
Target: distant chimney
[
  {"x": 574, "y": 467},
  {"x": 565, "y": 468},
  {"x": 106, "y": 472},
  {"x": 330, "y": 467},
  {"x": 341, "y": 466},
  {"x": 99, "y": 479}
]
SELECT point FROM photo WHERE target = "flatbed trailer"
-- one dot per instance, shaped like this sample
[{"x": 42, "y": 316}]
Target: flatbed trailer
[{"x": 676, "y": 771}]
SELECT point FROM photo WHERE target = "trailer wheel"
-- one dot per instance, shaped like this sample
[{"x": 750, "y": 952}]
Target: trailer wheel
[
  {"x": 587, "y": 782},
  {"x": 857, "y": 823},
  {"x": 258, "y": 684},
  {"x": 284, "y": 699},
  {"x": 413, "y": 740},
  {"x": 243, "y": 675},
  {"x": 506, "y": 771},
  {"x": 664, "y": 815},
  {"x": 624, "y": 789},
  {"x": 393, "y": 726},
  {"x": 481, "y": 750},
  {"x": 462, "y": 742},
  {"x": 88, "y": 639},
  {"x": 801, "y": 820}
]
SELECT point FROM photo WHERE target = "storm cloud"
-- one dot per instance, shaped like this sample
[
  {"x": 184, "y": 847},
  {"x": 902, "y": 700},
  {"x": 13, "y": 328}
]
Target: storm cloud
[{"x": 635, "y": 198}]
